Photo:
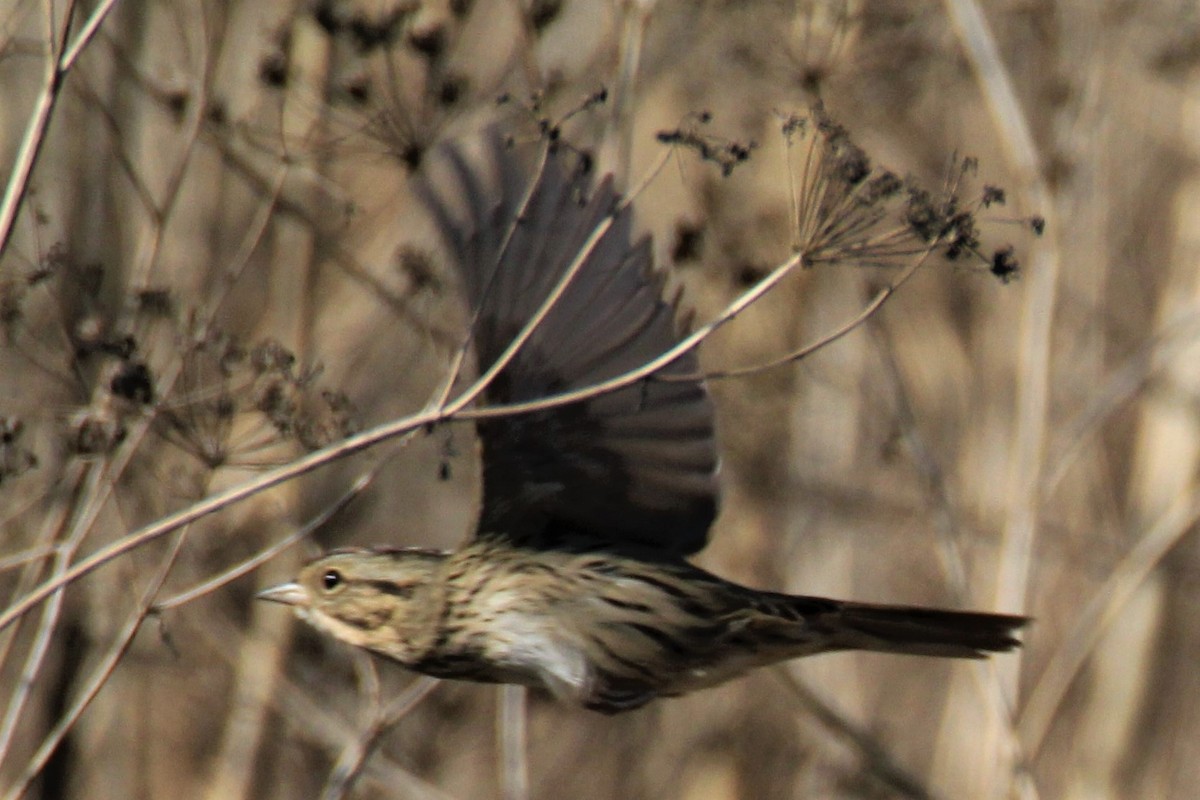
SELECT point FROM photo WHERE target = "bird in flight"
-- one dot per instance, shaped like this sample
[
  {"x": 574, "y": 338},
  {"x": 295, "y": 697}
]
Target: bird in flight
[{"x": 576, "y": 580}]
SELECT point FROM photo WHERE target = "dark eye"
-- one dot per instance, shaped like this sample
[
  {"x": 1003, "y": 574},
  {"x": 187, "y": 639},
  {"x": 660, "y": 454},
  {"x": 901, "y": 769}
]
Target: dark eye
[{"x": 331, "y": 579}]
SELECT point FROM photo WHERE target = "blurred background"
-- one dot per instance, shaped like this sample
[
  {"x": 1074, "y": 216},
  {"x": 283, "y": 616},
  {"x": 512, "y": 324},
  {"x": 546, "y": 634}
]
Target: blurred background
[{"x": 211, "y": 262}]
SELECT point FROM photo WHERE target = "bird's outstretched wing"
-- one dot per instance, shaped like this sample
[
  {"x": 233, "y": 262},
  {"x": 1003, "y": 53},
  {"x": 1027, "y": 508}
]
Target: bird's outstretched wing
[{"x": 633, "y": 467}]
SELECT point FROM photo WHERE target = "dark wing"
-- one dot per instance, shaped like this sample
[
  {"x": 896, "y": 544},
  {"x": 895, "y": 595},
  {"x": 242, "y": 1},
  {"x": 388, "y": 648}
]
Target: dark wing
[{"x": 634, "y": 467}]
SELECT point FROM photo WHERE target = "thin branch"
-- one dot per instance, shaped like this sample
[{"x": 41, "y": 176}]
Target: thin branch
[
  {"x": 263, "y": 556},
  {"x": 91, "y": 27},
  {"x": 875, "y": 757},
  {"x": 100, "y": 676},
  {"x": 354, "y": 755},
  {"x": 191, "y": 128},
  {"x": 27, "y": 556},
  {"x": 551, "y": 300},
  {"x": 744, "y": 301},
  {"x": 858, "y": 319},
  {"x": 513, "y": 735},
  {"x": 1098, "y": 614},
  {"x": 928, "y": 470},
  {"x": 95, "y": 499},
  {"x": 1026, "y": 464},
  {"x": 1124, "y": 382},
  {"x": 23, "y": 686},
  {"x": 35, "y": 129},
  {"x": 1033, "y": 378},
  {"x": 369, "y": 438},
  {"x": 59, "y": 61},
  {"x": 464, "y": 347}
]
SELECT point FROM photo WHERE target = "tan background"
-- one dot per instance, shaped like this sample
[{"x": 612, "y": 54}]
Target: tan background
[{"x": 1027, "y": 447}]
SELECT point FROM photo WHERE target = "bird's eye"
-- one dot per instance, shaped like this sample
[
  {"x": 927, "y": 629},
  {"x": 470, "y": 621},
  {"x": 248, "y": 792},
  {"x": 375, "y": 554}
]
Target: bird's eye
[{"x": 331, "y": 579}]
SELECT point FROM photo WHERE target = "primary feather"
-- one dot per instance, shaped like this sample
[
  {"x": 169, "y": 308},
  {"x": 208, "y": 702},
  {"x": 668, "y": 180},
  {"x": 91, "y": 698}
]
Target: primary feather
[{"x": 634, "y": 466}]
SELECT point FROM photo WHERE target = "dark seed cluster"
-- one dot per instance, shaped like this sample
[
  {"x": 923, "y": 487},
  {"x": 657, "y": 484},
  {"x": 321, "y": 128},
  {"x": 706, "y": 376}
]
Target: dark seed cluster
[
  {"x": 224, "y": 380},
  {"x": 727, "y": 154},
  {"x": 228, "y": 404},
  {"x": 849, "y": 210}
]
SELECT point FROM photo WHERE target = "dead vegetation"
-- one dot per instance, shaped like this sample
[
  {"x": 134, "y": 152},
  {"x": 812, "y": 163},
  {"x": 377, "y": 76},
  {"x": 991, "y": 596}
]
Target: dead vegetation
[{"x": 213, "y": 271}]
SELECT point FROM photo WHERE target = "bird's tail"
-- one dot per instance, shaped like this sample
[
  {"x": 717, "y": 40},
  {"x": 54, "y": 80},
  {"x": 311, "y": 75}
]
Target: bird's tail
[
  {"x": 825, "y": 625},
  {"x": 925, "y": 631}
]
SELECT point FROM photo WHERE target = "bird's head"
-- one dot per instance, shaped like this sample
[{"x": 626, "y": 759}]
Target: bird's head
[{"x": 385, "y": 600}]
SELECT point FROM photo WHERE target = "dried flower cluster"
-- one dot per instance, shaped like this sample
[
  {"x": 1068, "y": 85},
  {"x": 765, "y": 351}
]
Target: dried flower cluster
[
  {"x": 110, "y": 381},
  {"x": 848, "y": 210},
  {"x": 224, "y": 380}
]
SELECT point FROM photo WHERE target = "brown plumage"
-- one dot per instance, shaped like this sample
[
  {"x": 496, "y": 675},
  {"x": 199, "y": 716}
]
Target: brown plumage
[
  {"x": 576, "y": 581},
  {"x": 599, "y": 629}
]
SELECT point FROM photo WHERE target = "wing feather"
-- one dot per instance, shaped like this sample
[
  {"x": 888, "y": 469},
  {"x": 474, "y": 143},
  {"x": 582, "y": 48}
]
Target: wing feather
[{"x": 633, "y": 467}]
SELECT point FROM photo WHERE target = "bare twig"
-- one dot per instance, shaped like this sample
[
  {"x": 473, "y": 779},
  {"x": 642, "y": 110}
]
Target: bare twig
[
  {"x": 1040, "y": 292},
  {"x": 26, "y": 556},
  {"x": 875, "y": 757},
  {"x": 263, "y": 556},
  {"x": 22, "y": 688},
  {"x": 100, "y": 675},
  {"x": 59, "y": 60},
  {"x": 929, "y": 471},
  {"x": 322, "y": 725},
  {"x": 849, "y": 325},
  {"x": 456, "y": 364},
  {"x": 634, "y": 16},
  {"x": 354, "y": 756},
  {"x": 1098, "y": 614},
  {"x": 511, "y": 724},
  {"x": 454, "y": 411},
  {"x": 1125, "y": 381},
  {"x": 87, "y": 504},
  {"x": 1033, "y": 377}
]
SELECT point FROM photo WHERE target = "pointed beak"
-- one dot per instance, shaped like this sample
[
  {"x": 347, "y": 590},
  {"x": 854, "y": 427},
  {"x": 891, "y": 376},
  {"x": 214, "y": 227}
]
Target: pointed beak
[{"x": 290, "y": 594}]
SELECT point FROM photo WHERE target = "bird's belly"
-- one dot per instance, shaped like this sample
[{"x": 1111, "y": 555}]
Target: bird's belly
[{"x": 534, "y": 651}]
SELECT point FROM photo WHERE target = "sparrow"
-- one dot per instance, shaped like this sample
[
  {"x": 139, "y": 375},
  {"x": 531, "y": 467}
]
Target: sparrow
[{"x": 577, "y": 580}]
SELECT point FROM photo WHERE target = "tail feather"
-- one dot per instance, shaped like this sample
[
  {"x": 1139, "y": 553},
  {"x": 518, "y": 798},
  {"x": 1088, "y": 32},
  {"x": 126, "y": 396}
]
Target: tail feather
[{"x": 923, "y": 631}]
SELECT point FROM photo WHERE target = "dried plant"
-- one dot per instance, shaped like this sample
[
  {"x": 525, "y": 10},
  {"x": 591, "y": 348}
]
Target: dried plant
[{"x": 226, "y": 334}]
